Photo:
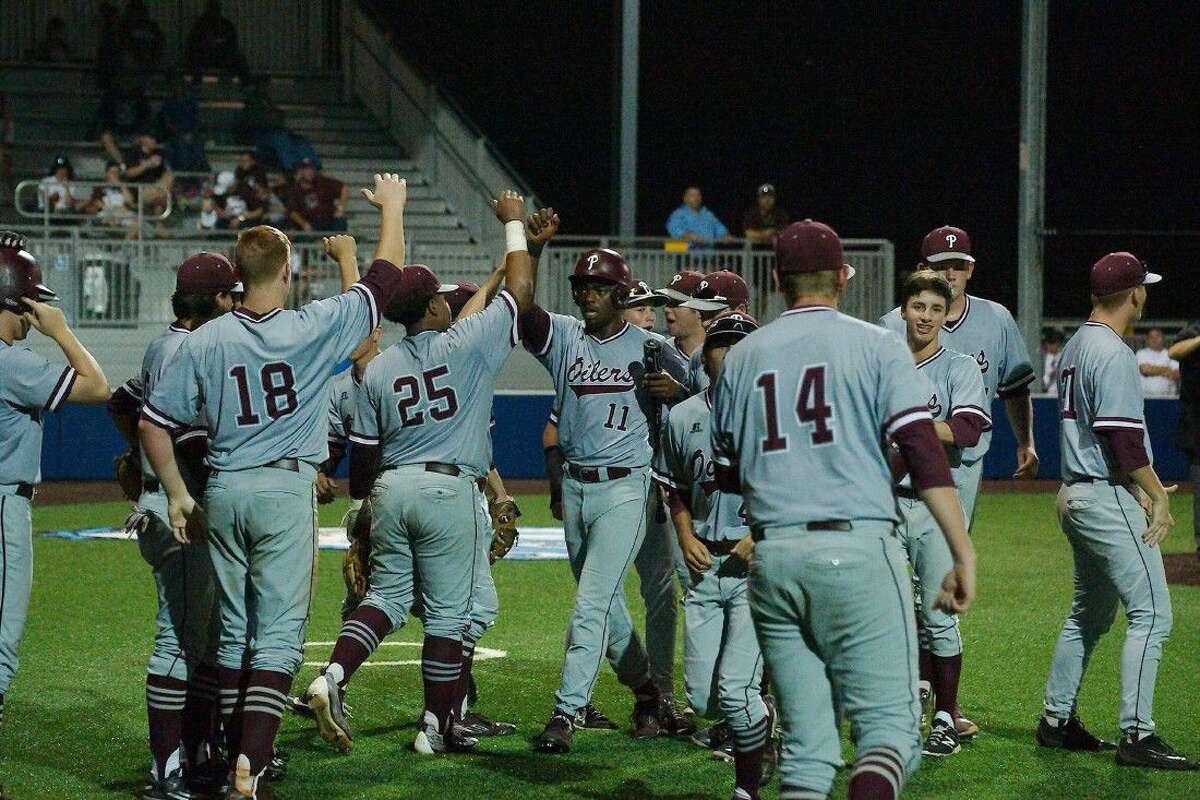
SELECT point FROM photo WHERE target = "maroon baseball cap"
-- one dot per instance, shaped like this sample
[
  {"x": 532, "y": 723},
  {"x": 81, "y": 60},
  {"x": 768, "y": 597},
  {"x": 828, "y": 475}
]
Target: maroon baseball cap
[
  {"x": 719, "y": 290},
  {"x": 681, "y": 286},
  {"x": 420, "y": 279},
  {"x": 207, "y": 272},
  {"x": 809, "y": 246},
  {"x": 459, "y": 297},
  {"x": 945, "y": 244},
  {"x": 1117, "y": 272}
]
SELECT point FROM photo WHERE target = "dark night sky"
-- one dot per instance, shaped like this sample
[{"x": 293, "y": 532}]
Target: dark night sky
[{"x": 881, "y": 119}]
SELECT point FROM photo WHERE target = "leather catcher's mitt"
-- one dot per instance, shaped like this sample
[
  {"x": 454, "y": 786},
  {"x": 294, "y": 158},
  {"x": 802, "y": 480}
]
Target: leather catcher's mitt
[
  {"x": 128, "y": 467},
  {"x": 504, "y": 529}
]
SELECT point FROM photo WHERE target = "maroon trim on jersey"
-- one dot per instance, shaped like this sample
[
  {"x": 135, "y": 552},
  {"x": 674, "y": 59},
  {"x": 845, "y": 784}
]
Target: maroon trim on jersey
[
  {"x": 1018, "y": 389},
  {"x": 580, "y": 389},
  {"x": 612, "y": 338},
  {"x": 923, "y": 454},
  {"x": 906, "y": 417},
  {"x": 677, "y": 501},
  {"x": 364, "y": 468},
  {"x": 663, "y": 479},
  {"x": 62, "y": 389},
  {"x": 514, "y": 334},
  {"x": 1127, "y": 445},
  {"x": 152, "y": 414},
  {"x": 176, "y": 327},
  {"x": 967, "y": 428},
  {"x": 252, "y": 316},
  {"x": 122, "y": 403},
  {"x": 1117, "y": 424},
  {"x": 1094, "y": 324},
  {"x": 932, "y": 358},
  {"x": 536, "y": 330},
  {"x": 807, "y": 308},
  {"x": 382, "y": 282},
  {"x": 953, "y": 326}
]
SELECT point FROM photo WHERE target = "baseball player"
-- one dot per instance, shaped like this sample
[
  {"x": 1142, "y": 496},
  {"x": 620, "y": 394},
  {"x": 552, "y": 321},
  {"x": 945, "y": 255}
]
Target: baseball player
[
  {"x": 800, "y": 410},
  {"x": 984, "y": 330},
  {"x": 29, "y": 386},
  {"x": 722, "y": 665},
  {"x": 602, "y": 396},
  {"x": 716, "y": 292},
  {"x": 181, "y": 677},
  {"x": 421, "y": 426},
  {"x": 263, "y": 373},
  {"x": 1114, "y": 511},
  {"x": 641, "y": 308},
  {"x": 954, "y": 385},
  {"x": 684, "y": 327}
]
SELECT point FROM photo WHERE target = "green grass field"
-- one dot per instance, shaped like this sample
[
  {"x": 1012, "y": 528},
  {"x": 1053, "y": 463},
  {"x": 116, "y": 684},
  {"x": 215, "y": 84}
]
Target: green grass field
[{"x": 75, "y": 721}]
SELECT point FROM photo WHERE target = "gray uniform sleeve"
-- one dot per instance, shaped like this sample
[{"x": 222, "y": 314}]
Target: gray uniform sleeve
[
  {"x": 337, "y": 324},
  {"x": 177, "y": 398},
  {"x": 1116, "y": 394},
  {"x": 32, "y": 381},
  {"x": 1016, "y": 373},
  {"x": 669, "y": 472},
  {"x": 366, "y": 409},
  {"x": 491, "y": 335},
  {"x": 899, "y": 400},
  {"x": 337, "y": 425},
  {"x": 968, "y": 395}
]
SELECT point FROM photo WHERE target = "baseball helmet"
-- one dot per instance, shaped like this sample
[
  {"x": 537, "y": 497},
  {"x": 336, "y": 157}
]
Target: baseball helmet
[
  {"x": 608, "y": 266},
  {"x": 729, "y": 328},
  {"x": 21, "y": 277},
  {"x": 642, "y": 295}
]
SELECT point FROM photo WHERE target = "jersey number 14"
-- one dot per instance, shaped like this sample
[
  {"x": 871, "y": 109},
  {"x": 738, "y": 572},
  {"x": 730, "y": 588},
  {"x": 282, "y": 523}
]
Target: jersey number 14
[{"x": 811, "y": 408}]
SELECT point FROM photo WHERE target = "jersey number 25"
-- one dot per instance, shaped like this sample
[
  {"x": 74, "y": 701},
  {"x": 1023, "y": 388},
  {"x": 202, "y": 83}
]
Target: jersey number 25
[
  {"x": 811, "y": 408},
  {"x": 409, "y": 390}
]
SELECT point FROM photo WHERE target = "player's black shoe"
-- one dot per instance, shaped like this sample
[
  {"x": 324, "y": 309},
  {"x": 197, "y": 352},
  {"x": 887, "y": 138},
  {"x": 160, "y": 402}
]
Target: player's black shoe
[
  {"x": 1071, "y": 735},
  {"x": 717, "y": 739},
  {"x": 209, "y": 778},
  {"x": 942, "y": 740},
  {"x": 558, "y": 735},
  {"x": 1151, "y": 751},
  {"x": 429, "y": 742},
  {"x": 646, "y": 721},
  {"x": 478, "y": 725},
  {"x": 171, "y": 787},
  {"x": 593, "y": 719},
  {"x": 672, "y": 720},
  {"x": 324, "y": 697},
  {"x": 277, "y": 769}
]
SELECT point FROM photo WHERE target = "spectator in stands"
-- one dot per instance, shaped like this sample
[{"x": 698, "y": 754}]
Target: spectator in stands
[
  {"x": 210, "y": 214},
  {"x": 53, "y": 47},
  {"x": 1185, "y": 348},
  {"x": 123, "y": 112},
  {"x": 141, "y": 36},
  {"x": 146, "y": 163},
  {"x": 113, "y": 203},
  {"x": 213, "y": 44},
  {"x": 694, "y": 223},
  {"x": 1160, "y": 372},
  {"x": 57, "y": 193},
  {"x": 317, "y": 202},
  {"x": 1052, "y": 344},
  {"x": 765, "y": 219},
  {"x": 249, "y": 173},
  {"x": 260, "y": 115}
]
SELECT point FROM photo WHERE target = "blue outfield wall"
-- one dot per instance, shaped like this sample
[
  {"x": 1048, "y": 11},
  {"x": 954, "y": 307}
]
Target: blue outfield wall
[{"x": 80, "y": 441}]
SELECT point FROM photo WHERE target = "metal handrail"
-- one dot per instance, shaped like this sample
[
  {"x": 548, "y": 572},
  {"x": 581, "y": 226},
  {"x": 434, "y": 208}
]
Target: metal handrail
[{"x": 46, "y": 213}]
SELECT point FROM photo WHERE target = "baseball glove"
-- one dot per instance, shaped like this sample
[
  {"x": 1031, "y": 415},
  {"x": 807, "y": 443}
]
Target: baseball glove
[
  {"x": 356, "y": 569},
  {"x": 128, "y": 467},
  {"x": 504, "y": 528}
]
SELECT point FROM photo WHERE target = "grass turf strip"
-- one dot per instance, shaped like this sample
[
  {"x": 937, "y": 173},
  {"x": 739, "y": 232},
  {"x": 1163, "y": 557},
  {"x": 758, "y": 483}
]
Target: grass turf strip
[{"x": 75, "y": 717}]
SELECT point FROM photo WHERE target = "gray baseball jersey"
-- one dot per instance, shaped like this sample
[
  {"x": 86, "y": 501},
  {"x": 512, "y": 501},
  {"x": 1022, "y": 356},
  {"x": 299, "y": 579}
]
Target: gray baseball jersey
[
  {"x": 29, "y": 386},
  {"x": 343, "y": 398},
  {"x": 687, "y": 450},
  {"x": 697, "y": 377},
  {"x": 1098, "y": 389},
  {"x": 601, "y": 407},
  {"x": 158, "y": 354},
  {"x": 428, "y": 398},
  {"x": 955, "y": 388},
  {"x": 263, "y": 379},
  {"x": 803, "y": 406},
  {"x": 987, "y": 332}
]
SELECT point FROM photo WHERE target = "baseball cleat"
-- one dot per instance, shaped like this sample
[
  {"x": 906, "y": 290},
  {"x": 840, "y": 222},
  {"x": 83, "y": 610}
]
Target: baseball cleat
[
  {"x": 429, "y": 742},
  {"x": 943, "y": 739},
  {"x": 277, "y": 768},
  {"x": 925, "y": 688},
  {"x": 324, "y": 697},
  {"x": 209, "y": 778},
  {"x": 672, "y": 720},
  {"x": 592, "y": 719},
  {"x": 243, "y": 784},
  {"x": 646, "y": 721},
  {"x": 558, "y": 735},
  {"x": 717, "y": 739},
  {"x": 966, "y": 729},
  {"x": 478, "y": 725},
  {"x": 300, "y": 706},
  {"x": 1071, "y": 735},
  {"x": 1151, "y": 751},
  {"x": 171, "y": 787}
]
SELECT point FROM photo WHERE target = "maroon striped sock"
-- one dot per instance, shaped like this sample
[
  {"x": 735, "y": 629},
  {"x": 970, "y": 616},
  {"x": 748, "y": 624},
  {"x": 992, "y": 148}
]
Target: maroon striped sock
[
  {"x": 165, "y": 699},
  {"x": 925, "y": 662},
  {"x": 946, "y": 672},
  {"x": 266, "y": 697},
  {"x": 464, "y": 681},
  {"x": 441, "y": 665},
  {"x": 201, "y": 713},
  {"x": 878, "y": 774},
  {"x": 361, "y": 633},
  {"x": 233, "y": 699}
]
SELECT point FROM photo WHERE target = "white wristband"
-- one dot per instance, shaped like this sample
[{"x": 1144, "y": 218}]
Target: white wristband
[{"x": 514, "y": 236}]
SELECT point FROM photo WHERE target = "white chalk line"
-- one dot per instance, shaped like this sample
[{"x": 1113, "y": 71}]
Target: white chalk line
[{"x": 481, "y": 654}]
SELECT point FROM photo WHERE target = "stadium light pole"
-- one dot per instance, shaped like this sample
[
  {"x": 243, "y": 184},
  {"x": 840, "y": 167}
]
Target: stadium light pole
[
  {"x": 625, "y": 114},
  {"x": 1032, "y": 175}
]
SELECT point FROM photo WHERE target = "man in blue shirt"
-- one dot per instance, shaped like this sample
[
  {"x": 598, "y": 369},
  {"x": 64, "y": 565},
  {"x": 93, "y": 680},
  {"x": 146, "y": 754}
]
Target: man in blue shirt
[{"x": 695, "y": 223}]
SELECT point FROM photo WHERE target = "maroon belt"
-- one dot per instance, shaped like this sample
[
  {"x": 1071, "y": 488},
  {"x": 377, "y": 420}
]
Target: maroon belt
[{"x": 597, "y": 474}]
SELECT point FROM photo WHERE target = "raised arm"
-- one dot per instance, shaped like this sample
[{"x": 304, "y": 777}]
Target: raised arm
[
  {"x": 480, "y": 299},
  {"x": 1183, "y": 348},
  {"x": 518, "y": 266},
  {"x": 90, "y": 385},
  {"x": 389, "y": 196},
  {"x": 344, "y": 250}
]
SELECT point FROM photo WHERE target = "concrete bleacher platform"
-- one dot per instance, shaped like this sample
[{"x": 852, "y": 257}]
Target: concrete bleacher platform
[{"x": 54, "y": 107}]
